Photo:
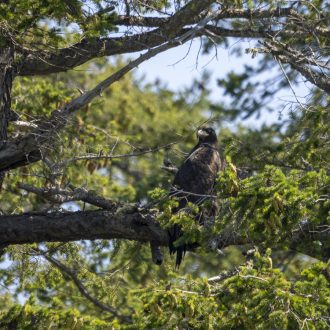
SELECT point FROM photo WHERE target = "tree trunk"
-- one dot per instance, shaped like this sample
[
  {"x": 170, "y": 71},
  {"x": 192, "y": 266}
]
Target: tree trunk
[{"x": 6, "y": 79}]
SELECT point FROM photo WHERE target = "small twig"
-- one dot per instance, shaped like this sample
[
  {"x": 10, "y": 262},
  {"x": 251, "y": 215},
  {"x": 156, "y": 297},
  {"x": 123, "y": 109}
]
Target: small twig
[
  {"x": 187, "y": 193},
  {"x": 289, "y": 82},
  {"x": 111, "y": 156},
  {"x": 174, "y": 193},
  {"x": 21, "y": 123},
  {"x": 223, "y": 276},
  {"x": 253, "y": 277},
  {"x": 170, "y": 169}
]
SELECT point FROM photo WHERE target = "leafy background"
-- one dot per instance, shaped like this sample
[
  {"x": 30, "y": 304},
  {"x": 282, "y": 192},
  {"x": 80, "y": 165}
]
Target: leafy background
[{"x": 277, "y": 178}]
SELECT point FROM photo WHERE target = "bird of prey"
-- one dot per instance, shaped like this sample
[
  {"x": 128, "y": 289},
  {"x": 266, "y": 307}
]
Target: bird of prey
[{"x": 195, "y": 179}]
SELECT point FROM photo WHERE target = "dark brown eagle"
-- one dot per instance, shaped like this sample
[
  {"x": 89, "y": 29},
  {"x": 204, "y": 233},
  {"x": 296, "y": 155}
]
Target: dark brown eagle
[{"x": 195, "y": 179}]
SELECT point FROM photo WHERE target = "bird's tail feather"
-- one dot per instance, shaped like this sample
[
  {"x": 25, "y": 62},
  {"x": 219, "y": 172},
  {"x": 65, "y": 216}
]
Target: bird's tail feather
[
  {"x": 180, "y": 253},
  {"x": 174, "y": 233}
]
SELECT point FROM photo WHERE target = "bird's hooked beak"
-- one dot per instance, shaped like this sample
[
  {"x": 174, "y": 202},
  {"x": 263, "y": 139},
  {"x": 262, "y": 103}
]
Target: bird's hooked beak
[{"x": 201, "y": 133}]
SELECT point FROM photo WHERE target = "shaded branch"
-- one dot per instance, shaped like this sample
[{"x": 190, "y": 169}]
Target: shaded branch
[
  {"x": 124, "y": 222},
  {"x": 79, "y": 53},
  {"x": 129, "y": 222},
  {"x": 58, "y": 195},
  {"x": 231, "y": 13},
  {"x": 44, "y": 62},
  {"x": 267, "y": 33},
  {"x": 118, "y": 156},
  {"x": 82, "y": 289}
]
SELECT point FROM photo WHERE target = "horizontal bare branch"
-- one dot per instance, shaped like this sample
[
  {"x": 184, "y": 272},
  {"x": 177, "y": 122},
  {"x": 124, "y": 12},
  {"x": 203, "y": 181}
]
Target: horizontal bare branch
[
  {"x": 58, "y": 195},
  {"x": 44, "y": 62},
  {"x": 125, "y": 222},
  {"x": 251, "y": 33},
  {"x": 116, "y": 156},
  {"x": 67, "y": 58},
  {"x": 129, "y": 222},
  {"x": 231, "y": 13}
]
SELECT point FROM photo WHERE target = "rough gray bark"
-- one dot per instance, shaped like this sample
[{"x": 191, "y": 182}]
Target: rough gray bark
[
  {"x": 226, "y": 13},
  {"x": 128, "y": 222},
  {"x": 123, "y": 223},
  {"x": 79, "y": 53},
  {"x": 165, "y": 28},
  {"x": 6, "y": 78}
]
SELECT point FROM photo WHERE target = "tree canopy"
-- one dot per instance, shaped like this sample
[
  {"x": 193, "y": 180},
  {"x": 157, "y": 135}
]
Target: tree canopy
[{"x": 88, "y": 150}]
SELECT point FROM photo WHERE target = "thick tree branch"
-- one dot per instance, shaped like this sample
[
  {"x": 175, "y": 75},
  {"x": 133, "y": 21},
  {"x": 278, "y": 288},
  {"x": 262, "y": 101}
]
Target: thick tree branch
[
  {"x": 87, "y": 49},
  {"x": 128, "y": 222},
  {"x": 42, "y": 62},
  {"x": 251, "y": 33},
  {"x": 125, "y": 222},
  {"x": 59, "y": 196},
  {"x": 231, "y": 13}
]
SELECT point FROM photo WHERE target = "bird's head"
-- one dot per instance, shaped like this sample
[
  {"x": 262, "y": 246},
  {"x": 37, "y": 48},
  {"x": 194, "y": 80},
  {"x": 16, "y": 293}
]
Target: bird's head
[{"x": 206, "y": 135}]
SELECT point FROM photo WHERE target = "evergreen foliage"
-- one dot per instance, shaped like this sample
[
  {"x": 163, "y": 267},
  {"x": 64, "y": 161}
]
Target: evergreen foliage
[{"x": 262, "y": 263}]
